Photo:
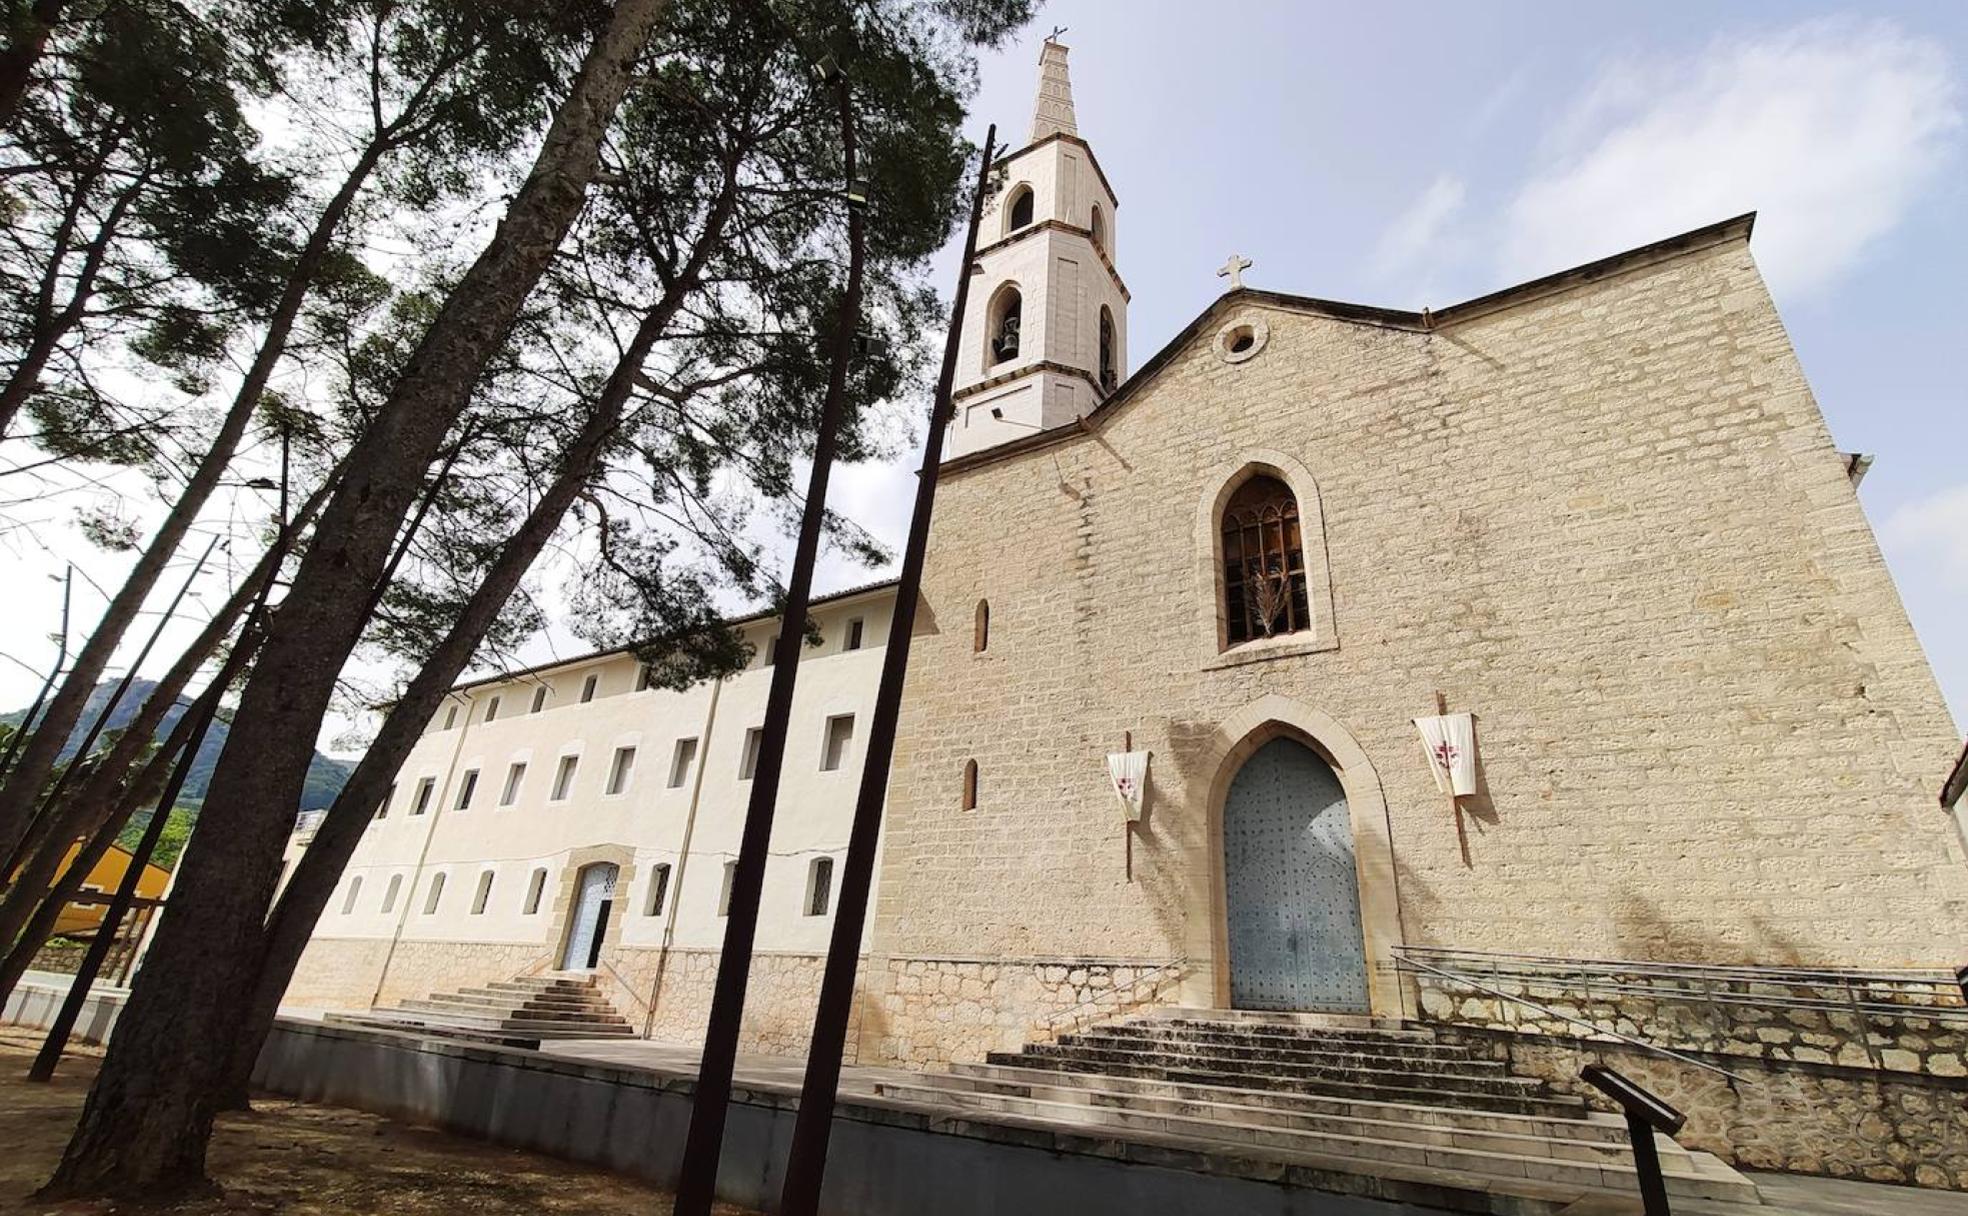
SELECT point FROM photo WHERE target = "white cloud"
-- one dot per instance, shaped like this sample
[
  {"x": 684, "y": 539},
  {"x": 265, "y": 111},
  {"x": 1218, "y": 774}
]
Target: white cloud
[
  {"x": 1417, "y": 231},
  {"x": 1931, "y": 534},
  {"x": 1829, "y": 130}
]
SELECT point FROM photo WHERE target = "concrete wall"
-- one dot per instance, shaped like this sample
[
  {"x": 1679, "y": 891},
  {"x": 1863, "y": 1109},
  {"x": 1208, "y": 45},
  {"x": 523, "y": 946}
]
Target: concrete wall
[{"x": 1606, "y": 517}]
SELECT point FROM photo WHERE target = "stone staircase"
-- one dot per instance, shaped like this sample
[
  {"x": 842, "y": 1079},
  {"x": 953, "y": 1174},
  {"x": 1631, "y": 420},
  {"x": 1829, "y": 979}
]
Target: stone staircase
[
  {"x": 1354, "y": 1095},
  {"x": 521, "y": 1012}
]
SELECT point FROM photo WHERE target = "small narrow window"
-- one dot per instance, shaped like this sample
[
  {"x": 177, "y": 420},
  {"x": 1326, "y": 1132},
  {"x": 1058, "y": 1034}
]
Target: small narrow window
[
  {"x": 819, "y": 885},
  {"x": 1098, "y": 227},
  {"x": 483, "y": 893},
  {"x": 564, "y": 778},
  {"x": 390, "y": 892},
  {"x": 853, "y": 641},
  {"x": 383, "y": 808},
  {"x": 492, "y": 709},
  {"x": 748, "y": 762},
  {"x": 534, "y": 889},
  {"x": 466, "y": 789},
  {"x": 355, "y": 889},
  {"x": 970, "y": 785},
  {"x": 659, "y": 886},
  {"x": 1019, "y": 214},
  {"x": 840, "y": 733},
  {"x": 514, "y": 777},
  {"x": 680, "y": 762},
  {"x": 423, "y": 802},
  {"x": 644, "y": 680},
  {"x": 450, "y": 717},
  {"x": 435, "y": 893},
  {"x": 588, "y": 688},
  {"x": 1110, "y": 371},
  {"x": 620, "y": 769},
  {"x": 771, "y": 651},
  {"x": 724, "y": 894},
  {"x": 980, "y": 632},
  {"x": 539, "y": 699}
]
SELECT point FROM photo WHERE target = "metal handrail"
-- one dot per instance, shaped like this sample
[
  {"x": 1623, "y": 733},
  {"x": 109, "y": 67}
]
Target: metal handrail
[
  {"x": 1597, "y": 1030},
  {"x": 1923, "y": 993}
]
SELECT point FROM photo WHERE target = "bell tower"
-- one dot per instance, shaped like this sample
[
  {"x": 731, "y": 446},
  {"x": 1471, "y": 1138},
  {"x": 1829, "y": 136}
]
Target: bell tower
[{"x": 1045, "y": 325}]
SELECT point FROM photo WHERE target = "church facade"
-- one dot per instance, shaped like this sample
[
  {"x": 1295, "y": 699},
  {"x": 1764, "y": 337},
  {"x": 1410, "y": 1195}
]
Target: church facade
[{"x": 1600, "y": 512}]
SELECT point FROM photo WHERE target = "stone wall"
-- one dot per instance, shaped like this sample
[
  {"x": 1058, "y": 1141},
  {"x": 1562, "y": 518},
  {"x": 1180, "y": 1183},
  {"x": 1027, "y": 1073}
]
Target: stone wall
[
  {"x": 927, "y": 1013},
  {"x": 1604, "y": 515},
  {"x": 337, "y": 973},
  {"x": 1852, "y": 1093}
]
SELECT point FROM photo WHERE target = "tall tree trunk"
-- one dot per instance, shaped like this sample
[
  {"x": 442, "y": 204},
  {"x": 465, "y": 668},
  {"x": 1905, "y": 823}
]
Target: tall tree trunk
[
  {"x": 44, "y": 747},
  {"x": 340, "y": 831},
  {"x": 148, "y": 1119},
  {"x": 26, "y": 40}
]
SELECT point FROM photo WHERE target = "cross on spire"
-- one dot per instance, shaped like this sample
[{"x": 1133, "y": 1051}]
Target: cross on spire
[{"x": 1234, "y": 270}]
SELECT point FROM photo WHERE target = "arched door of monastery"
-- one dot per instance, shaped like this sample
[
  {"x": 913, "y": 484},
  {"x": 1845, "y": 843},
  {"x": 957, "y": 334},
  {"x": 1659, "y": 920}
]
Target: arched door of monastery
[
  {"x": 1291, "y": 898},
  {"x": 594, "y": 898}
]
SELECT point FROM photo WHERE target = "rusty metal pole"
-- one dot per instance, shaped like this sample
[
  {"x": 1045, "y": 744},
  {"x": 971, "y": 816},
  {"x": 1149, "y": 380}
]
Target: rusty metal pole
[{"x": 807, "y": 1164}]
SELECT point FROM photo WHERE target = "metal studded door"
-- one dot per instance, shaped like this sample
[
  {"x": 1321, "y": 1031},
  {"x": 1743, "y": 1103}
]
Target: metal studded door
[
  {"x": 1290, "y": 894},
  {"x": 597, "y": 886}
]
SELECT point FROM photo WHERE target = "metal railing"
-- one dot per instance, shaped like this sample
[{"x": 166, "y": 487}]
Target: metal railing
[
  {"x": 1908, "y": 992},
  {"x": 1407, "y": 961}
]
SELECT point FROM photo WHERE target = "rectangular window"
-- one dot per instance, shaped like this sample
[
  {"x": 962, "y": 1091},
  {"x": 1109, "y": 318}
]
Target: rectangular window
[
  {"x": 383, "y": 808},
  {"x": 643, "y": 680},
  {"x": 749, "y": 762},
  {"x": 534, "y": 890},
  {"x": 620, "y": 769},
  {"x": 539, "y": 699},
  {"x": 492, "y": 709},
  {"x": 450, "y": 717},
  {"x": 466, "y": 789},
  {"x": 853, "y": 641},
  {"x": 771, "y": 650},
  {"x": 483, "y": 893},
  {"x": 840, "y": 733},
  {"x": 680, "y": 761},
  {"x": 819, "y": 885},
  {"x": 659, "y": 886},
  {"x": 724, "y": 895},
  {"x": 564, "y": 778},
  {"x": 423, "y": 802},
  {"x": 514, "y": 775},
  {"x": 588, "y": 688}
]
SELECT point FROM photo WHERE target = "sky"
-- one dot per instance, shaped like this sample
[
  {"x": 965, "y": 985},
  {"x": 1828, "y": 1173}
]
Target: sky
[{"x": 1427, "y": 153}]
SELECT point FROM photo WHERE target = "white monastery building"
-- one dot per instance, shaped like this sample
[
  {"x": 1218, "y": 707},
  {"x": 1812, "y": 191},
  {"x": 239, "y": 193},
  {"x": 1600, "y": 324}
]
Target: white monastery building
[{"x": 1541, "y": 628}]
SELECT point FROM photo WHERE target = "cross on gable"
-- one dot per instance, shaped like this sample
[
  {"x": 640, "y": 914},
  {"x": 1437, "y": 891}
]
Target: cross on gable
[{"x": 1234, "y": 270}]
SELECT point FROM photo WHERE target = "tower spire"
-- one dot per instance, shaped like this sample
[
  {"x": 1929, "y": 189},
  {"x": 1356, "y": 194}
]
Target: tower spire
[{"x": 1052, "y": 113}]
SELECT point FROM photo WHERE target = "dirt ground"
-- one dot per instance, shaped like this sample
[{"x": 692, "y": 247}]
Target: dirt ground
[{"x": 306, "y": 1160}]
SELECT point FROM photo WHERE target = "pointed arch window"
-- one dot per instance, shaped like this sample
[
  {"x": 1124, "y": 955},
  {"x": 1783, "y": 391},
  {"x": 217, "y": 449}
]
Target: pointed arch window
[
  {"x": 1003, "y": 321},
  {"x": 1263, "y": 563},
  {"x": 1018, "y": 212},
  {"x": 1110, "y": 372}
]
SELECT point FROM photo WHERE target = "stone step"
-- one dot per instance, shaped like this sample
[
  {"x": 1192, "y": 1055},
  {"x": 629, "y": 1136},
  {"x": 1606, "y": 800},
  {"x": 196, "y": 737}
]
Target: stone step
[
  {"x": 1271, "y": 1036},
  {"x": 1577, "y": 1121},
  {"x": 507, "y": 1001},
  {"x": 1595, "y": 1167},
  {"x": 1407, "y": 1074},
  {"x": 376, "y": 1020},
  {"x": 1266, "y": 1017},
  {"x": 1306, "y": 1051},
  {"x": 539, "y": 984},
  {"x": 437, "y": 1005},
  {"x": 1522, "y": 1101},
  {"x": 495, "y": 1020}
]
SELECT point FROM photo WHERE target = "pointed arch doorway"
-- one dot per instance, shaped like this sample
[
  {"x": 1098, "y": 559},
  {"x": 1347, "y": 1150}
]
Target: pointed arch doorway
[
  {"x": 1291, "y": 891},
  {"x": 594, "y": 900}
]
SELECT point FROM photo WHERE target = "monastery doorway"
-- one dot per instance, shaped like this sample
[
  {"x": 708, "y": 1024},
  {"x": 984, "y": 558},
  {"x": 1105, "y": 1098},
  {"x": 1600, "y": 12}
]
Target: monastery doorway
[
  {"x": 594, "y": 900},
  {"x": 1290, "y": 887}
]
